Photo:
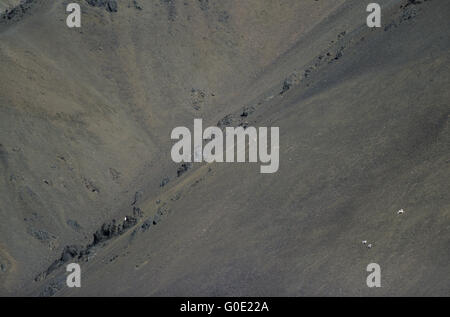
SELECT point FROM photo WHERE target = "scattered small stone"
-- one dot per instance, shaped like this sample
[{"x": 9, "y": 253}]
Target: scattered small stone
[
  {"x": 183, "y": 168},
  {"x": 114, "y": 173},
  {"x": 51, "y": 289},
  {"x": 90, "y": 185},
  {"x": 198, "y": 98},
  {"x": 226, "y": 121},
  {"x": 74, "y": 225},
  {"x": 146, "y": 225},
  {"x": 136, "y": 5},
  {"x": 164, "y": 182},
  {"x": 137, "y": 198},
  {"x": 289, "y": 82},
  {"x": 137, "y": 212},
  {"x": 109, "y": 5},
  {"x": 244, "y": 124}
]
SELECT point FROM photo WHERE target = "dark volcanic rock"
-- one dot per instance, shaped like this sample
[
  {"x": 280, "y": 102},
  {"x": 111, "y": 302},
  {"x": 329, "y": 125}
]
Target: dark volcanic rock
[
  {"x": 109, "y": 5},
  {"x": 136, "y": 5},
  {"x": 51, "y": 289},
  {"x": 79, "y": 253},
  {"x": 226, "y": 121},
  {"x": 289, "y": 82},
  {"x": 17, "y": 12},
  {"x": 183, "y": 168}
]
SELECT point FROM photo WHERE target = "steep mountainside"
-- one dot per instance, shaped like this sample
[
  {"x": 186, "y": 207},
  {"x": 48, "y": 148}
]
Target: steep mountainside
[{"x": 86, "y": 173}]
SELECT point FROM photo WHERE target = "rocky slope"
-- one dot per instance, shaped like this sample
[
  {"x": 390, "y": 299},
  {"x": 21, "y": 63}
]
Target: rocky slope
[{"x": 85, "y": 122}]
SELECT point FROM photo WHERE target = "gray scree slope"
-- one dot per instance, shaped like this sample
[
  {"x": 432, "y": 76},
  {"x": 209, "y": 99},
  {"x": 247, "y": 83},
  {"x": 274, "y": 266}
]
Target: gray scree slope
[{"x": 85, "y": 122}]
